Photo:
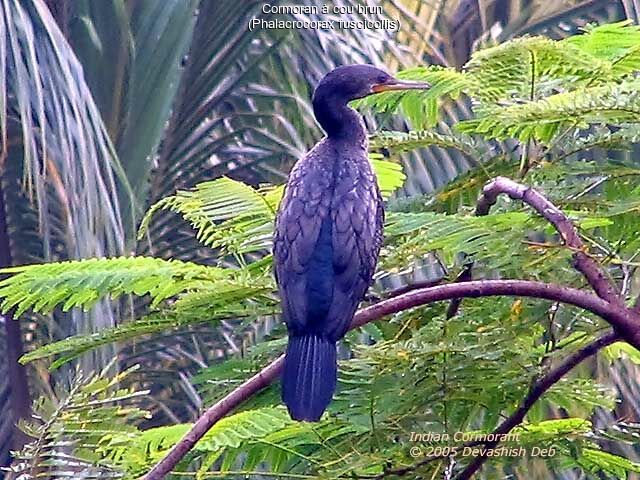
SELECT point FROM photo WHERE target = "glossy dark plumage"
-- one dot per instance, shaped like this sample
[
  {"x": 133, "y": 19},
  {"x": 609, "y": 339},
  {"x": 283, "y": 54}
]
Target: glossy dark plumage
[{"x": 327, "y": 239}]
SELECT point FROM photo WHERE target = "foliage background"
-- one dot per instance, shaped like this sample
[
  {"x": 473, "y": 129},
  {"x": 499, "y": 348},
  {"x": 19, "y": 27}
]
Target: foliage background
[{"x": 170, "y": 94}]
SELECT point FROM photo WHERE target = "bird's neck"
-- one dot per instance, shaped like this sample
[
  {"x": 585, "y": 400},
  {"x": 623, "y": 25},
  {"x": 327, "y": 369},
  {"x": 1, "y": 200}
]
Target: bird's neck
[{"x": 338, "y": 120}]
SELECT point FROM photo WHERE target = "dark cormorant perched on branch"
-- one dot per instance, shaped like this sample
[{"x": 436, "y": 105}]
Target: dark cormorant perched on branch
[{"x": 328, "y": 235}]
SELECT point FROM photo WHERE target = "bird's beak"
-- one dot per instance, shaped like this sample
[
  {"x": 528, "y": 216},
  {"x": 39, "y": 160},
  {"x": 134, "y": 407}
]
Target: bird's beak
[{"x": 396, "y": 84}]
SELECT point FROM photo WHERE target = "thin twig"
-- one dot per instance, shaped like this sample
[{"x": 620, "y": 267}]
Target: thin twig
[
  {"x": 464, "y": 276},
  {"x": 409, "y": 288}
]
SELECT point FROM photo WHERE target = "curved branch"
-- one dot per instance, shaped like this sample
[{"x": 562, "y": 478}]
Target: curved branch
[
  {"x": 619, "y": 317},
  {"x": 591, "y": 270},
  {"x": 535, "y": 392}
]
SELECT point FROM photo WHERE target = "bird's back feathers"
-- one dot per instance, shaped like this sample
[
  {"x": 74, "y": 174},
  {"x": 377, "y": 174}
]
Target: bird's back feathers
[{"x": 327, "y": 239}]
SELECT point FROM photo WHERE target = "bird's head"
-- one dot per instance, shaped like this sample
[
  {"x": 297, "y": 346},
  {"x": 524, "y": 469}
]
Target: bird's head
[
  {"x": 347, "y": 83},
  {"x": 351, "y": 82}
]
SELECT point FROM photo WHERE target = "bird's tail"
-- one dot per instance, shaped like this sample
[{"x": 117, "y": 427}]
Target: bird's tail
[{"x": 309, "y": 377}]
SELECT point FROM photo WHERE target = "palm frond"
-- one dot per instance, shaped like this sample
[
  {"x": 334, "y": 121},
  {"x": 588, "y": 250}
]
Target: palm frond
[
  {"x": 132, "y": 58},
  {"x": 43, "y": 89},
  {"x": 63, "y": 189}
]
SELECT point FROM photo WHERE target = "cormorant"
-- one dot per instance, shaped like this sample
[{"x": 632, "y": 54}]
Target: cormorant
[{"x": 327, "y": 237}]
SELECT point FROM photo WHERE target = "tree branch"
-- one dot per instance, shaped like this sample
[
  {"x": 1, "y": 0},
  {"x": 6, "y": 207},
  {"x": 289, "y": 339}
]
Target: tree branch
[
  {"x": 622, "y": 319},
  {"x": 535, "y": 392},
  {"x": 583, "y": 262}
]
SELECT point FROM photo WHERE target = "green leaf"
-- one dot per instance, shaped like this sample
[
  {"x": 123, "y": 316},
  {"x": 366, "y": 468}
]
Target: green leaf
[
  {"x": 622, "y": 350},
  {"x": 81, "y": 283},
  {"x": 238, "y": 219},
  {"x": 136, "y": 453},
  {"x": 542, "y": 119},
  {"x": 616, "y": 43},
  {"x": 599, "y": 461}
]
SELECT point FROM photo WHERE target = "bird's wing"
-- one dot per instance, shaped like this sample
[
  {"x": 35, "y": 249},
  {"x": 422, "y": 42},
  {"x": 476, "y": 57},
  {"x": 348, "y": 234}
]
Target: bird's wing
[
  {"x": 326, "y": 244},
  {"x": 357, "y": 220},
  {"x": 298, "y": 226}
]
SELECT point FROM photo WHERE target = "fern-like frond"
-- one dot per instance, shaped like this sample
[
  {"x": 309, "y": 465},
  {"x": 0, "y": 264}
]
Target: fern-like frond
[
  {"x": 136, "y": 452},
  {"x": 462, "y": 191},
  {"x": 218, "y": 208},
  {"x": 497, "y": 240},
  {"x": 541, "y": 120},
  {"x": 536, "y": 433},
  {"x": 229, "y": 298},
  {"x": 300, "y": 445},
  {"x": 615, "y": 43},
  {"x": 67, "y": 436},
  {"x": 390, "y": 175},
  {"x": 238, "y": 219},
  {"x": 514, "y": 70},
  {"x": 406, "y": 141},
  {"x": 610, "y": 465},
  {"x": 82, "y": 283},
  {"x": 421, "y": 107},
  {"x": 520, "y": 70},
  {"x": 622, "y": 138}
]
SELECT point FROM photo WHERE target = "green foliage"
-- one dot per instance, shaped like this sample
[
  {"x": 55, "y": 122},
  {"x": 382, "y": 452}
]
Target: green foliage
[
  {"x": 401, "y": 141},
  {"x": 513, "y": 70},
  {"x": 542, "y": 120},
  {"x": 498, "y": 240},
  {"x": 421, "y": 107},
  {"x": 615, "y": 43},
  {"x": 209, "y": 297},
  {"x": 222, "y": 207},
  {"x": 135, "y": 454},
  {"x": 553, "y": 102},
  {"x": 224, "y": 300},
  {"x": 423, "y": 370},
  {"x": 67, "y": 435},
  {"x": 83, "y": 282},
  {"x": 99, "y": 420},
  {"x": 601, "y": 462},
  {"x": 534, "y": 88}
]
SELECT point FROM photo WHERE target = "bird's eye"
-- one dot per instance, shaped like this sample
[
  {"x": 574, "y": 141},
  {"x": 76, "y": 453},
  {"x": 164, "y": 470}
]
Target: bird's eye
[{"x": 382, "y": 78}]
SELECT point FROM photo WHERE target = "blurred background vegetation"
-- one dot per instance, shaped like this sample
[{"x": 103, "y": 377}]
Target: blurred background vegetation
[{"x": 134, "y": 99}]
